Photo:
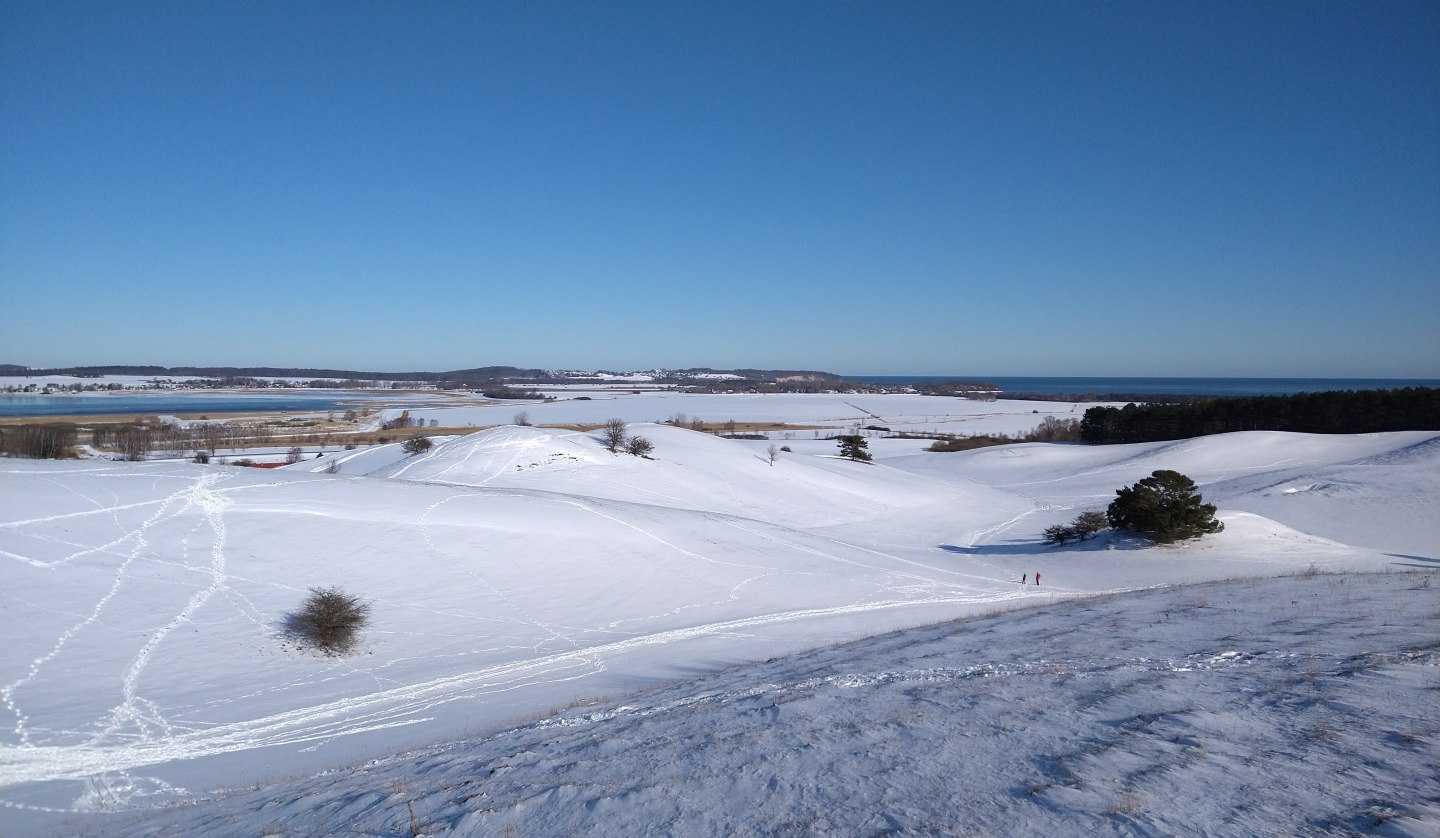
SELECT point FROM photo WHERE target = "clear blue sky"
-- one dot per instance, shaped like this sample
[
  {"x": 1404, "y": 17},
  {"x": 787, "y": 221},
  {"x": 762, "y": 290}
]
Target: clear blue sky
[{"x": 1009, "y": 188}]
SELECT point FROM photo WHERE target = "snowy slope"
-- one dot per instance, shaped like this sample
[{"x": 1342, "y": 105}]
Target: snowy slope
[
  {"x": 520, "y": 569},
  {"x": 690, "y": 470},
  {"x": 1295, "y": 706},
  {"x": 1371, "y": 490}
]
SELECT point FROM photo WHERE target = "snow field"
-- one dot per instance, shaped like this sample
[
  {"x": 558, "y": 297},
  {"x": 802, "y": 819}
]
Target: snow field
[
  {"x": 943, "y": 414},
  {"x": 1296, "y": 705},
  {"x": 519, "y": 569}
]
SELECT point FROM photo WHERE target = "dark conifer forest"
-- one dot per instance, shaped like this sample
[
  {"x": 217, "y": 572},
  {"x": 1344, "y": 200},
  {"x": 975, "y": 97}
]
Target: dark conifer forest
[{"x": 1335, "y": 412}]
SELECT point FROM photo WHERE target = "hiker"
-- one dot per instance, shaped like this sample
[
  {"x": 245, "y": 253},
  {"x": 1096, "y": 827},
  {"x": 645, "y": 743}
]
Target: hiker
[
  {"x": 1024, "y": 578},
  {"x": 1037, "y": 578}
]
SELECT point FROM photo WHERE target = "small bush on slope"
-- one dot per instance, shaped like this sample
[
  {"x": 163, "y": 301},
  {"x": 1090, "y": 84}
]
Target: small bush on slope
[
  {"x": 415, "y": 444},
  {"x": 1085, "y": 525},
  {"x": 329, "y": 620}
]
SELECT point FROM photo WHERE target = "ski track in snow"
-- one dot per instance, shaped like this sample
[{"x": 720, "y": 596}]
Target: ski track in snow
[
  {"x": 152, "y": 739},
  {"x": 135, "y": 733},
  {"x": 7, "y": 693},
  {"x": 131, "y": 711},
  {"x": 378, "y": 710}
]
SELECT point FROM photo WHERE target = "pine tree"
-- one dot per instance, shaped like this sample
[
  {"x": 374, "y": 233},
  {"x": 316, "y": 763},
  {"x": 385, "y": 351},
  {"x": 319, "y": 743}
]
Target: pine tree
[
  {"x": 853, "y": 446},
  {"x": 1164, "y": 508}
]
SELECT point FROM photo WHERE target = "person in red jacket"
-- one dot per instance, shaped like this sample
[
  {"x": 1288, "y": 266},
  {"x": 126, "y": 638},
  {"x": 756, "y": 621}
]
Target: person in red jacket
[{"x": 1037, "y": 578}]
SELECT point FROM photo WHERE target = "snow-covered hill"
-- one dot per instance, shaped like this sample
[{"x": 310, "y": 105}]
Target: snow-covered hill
[
  {"x": 1301, "y": 705},
  {"x": 519, "y": 569}
]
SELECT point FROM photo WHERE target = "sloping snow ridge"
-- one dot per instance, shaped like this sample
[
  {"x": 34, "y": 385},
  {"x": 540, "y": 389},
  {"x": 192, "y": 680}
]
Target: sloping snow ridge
[
  {"x": 1262, "y": 707},
  {"x": 520, "y": 569},
  {"x": 691, "y": 471}
]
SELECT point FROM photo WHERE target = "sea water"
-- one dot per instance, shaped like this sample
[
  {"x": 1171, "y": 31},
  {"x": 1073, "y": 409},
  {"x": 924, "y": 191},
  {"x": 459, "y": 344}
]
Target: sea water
[{"x": 170, "y": 403}]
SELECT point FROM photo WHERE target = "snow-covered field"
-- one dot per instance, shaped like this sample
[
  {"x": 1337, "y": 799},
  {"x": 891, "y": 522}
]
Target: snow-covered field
[
  {"x": 943, "y": 414},
  {"x": 520, "y": 570},
  {"x": 585, "y": 404}
]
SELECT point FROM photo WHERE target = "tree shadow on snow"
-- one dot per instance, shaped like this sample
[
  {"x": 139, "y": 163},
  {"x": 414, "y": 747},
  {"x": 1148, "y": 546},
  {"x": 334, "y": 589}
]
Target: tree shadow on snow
[
  {"x": 1014, "y": 549},
  {"x": 1104, "y": 541},
  {"x": 1427, "y": 562}
]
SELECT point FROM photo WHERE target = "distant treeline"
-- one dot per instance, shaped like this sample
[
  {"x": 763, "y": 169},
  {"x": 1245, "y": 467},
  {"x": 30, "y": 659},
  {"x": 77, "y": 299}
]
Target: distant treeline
[
  {"x": 42, "y": 442},
  {"x": 474, "y": 379},
  {"x": 1156, "y": 398},
  {"x": 1335, "y": 412},
  {"x": 479, "y": 374},
  {"x": 982, "y": 390}
]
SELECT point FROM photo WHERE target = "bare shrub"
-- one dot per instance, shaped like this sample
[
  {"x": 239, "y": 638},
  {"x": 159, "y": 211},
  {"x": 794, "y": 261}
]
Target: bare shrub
[
  {"x": 293, "y": 456},
  {"x": 639, "y": 446},
  {"x": 1054, "y": 429},
  {"x": 416, "y": 444},
  {"x": 1085, "y": 525},
  {"x": 773, "y": 453},
  {"x": 967, "y": 443},
  {"x": 1059, "y": 534},
  {"x": 212, "y": 435},
  {"x": 134, "y": 442},
  {"x": 522, "y": 418},
  {"x": 614, "y": 434},
  {"x": 329, "y": 620},
  {"x": 41, "y": 442}
]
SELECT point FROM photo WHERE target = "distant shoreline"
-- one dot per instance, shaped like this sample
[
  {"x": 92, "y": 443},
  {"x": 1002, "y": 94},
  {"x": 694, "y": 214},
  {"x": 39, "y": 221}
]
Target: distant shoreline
[
  {"x": 1157, "y": 386},
  {"x": 230, "y": 402}
]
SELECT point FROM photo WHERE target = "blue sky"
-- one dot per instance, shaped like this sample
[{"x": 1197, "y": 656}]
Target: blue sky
[{"x": 1011, "y": 188}]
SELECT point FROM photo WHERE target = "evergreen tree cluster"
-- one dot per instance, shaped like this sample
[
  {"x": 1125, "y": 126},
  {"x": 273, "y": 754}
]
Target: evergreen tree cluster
[{"x": 1334, "y": 412}]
